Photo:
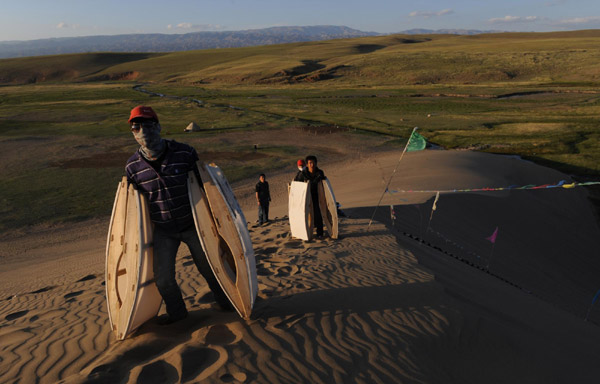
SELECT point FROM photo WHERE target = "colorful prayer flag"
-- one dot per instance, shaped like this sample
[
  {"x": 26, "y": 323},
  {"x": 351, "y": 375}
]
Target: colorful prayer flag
[
  {"x": 416, "y": 142},
  {"x": 492, "y": 238}
]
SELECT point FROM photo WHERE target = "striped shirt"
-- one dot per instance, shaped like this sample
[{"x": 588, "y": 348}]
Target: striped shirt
[{"x": 165, "y": 187}]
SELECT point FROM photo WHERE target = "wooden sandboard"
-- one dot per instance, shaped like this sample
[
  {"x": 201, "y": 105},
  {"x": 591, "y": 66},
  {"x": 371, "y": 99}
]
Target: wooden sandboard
[
  {"x": 131, "y": 293},
  {"x": 300, "y": 211},
  {"x": 222, "y": 230},
  {"x": 328, "y": 208}
]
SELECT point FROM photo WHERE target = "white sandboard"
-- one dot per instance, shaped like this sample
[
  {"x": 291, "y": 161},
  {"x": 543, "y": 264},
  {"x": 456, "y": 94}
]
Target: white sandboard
[
  {"x": 328, "y": 207},
  {"x": 299, "y": 211},
  {"x": 131, "y": 294},
  {"x": 222, "y": 230}
]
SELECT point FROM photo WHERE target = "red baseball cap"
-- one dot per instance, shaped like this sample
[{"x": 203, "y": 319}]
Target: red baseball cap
[
  {"x": 143, "y": 111},
  {"x": 300, "y": 162}
]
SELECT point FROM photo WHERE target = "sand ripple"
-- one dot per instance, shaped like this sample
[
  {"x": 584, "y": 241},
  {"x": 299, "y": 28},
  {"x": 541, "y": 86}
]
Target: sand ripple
[{"x": 360, "y": 309}]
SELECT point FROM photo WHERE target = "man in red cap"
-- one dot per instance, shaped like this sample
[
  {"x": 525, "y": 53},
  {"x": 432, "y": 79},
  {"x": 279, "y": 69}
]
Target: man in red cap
[
  {"x": 301, "y": 165},
  {"x": 159, "y": 170}
]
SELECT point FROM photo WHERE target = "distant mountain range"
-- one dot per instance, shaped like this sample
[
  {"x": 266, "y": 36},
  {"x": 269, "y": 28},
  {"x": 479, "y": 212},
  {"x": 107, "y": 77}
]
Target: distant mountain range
[
  {"x": 418, "y": 31},
  {"x": 190, "y": 41}
]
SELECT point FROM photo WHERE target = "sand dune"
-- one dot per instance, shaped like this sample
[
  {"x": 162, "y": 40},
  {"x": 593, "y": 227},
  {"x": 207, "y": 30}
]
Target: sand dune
[{"x": 412, "y": 301}]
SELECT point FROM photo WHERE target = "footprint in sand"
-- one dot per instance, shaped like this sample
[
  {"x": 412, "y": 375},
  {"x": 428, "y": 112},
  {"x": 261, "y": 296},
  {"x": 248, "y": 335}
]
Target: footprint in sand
[
  {"x": 220, "y": 334},
  {"x": 195, "y": 360},
  {"x": 158, "y": 372},
  {"x": 188, "y": 263},
  {"x": 86, "y": 278},
  {"x": 15, "y": 315},
  {"x": 293, "y": 244},
  {"x": 114, "y": 371}
]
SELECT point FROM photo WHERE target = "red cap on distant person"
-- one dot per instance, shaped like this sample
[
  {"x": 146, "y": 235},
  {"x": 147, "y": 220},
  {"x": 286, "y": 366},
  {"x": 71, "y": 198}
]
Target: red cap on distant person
[
  {"x": 144, "y": 112},
  {"x": 300, "y": 163}
]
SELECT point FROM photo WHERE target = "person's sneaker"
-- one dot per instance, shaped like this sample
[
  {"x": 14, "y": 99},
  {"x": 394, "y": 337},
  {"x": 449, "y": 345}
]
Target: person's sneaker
[{"x": 167, "y": 319}]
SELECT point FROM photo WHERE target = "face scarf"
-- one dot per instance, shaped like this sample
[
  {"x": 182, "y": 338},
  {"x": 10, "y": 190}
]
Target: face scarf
[{"x": 152, "y": 146}]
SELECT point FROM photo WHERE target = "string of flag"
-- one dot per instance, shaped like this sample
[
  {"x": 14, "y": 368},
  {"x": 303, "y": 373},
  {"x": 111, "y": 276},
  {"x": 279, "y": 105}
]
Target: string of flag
[
  {"x": 417, "y": 142},
  {"x": 560, "y": 184},
  {"x": 414, "y": 136}
]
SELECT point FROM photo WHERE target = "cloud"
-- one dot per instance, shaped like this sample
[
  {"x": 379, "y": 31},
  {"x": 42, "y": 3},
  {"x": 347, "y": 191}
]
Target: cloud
[
  {"x": 63, "y": 25},
  {"x": 580, "y": 20},
  {"x": 514, "y": 19},
  {"x": 195, "y": 27},
  {"x": 428, "y": 14},
  {"x": 587, "y": 22}
]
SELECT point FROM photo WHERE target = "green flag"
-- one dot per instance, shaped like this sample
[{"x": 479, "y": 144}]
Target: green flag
[{"x": 416, "y": 142}]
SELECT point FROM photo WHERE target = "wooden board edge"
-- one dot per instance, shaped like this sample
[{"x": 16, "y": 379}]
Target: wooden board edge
[
  {"x": 213, "y": 195},
  {"x": 120, "y": 186},
  {"x": 332, "y": 204}
]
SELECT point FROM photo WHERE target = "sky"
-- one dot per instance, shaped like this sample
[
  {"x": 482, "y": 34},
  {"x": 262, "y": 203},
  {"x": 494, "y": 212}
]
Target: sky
[{"x": 39, "y": 19}]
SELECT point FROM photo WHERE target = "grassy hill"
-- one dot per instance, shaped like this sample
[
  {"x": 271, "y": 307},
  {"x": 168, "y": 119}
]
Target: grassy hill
[
  {"x": 559, "y": 57},
  {"x": 62, "y": 68},
  {"x": 63, "y": 118}
]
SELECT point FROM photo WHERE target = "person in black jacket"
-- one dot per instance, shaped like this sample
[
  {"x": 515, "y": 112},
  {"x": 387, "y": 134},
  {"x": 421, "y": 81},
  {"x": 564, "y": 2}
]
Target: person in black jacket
[
  {"x": 263, "y": 198},
  {"x": 313, "y": 175}
]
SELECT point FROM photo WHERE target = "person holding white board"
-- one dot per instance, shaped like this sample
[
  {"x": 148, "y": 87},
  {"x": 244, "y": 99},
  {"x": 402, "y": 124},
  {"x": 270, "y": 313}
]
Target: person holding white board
[
  {"x": 313, "y": 175},
  {"x": 159, "y": 170}
]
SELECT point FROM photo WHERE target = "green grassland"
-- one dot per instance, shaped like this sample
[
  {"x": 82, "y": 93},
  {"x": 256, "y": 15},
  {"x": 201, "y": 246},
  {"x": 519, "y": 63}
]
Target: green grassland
[{"x": 64, "y": 137}]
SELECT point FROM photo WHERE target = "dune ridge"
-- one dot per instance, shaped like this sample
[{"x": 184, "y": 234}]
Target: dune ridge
[{"x": 389, "y": 303}]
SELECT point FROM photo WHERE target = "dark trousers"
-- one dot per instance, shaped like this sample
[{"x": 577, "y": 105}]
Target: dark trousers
[
  {"x": 263, "y": 212},
  {"x": 166, "y": 245}
]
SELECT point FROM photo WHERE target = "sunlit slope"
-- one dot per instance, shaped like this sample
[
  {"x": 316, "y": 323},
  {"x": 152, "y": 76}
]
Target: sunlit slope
[
  {"x": 556, "y": 57},
  {"x": 62, "y": 68}
]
